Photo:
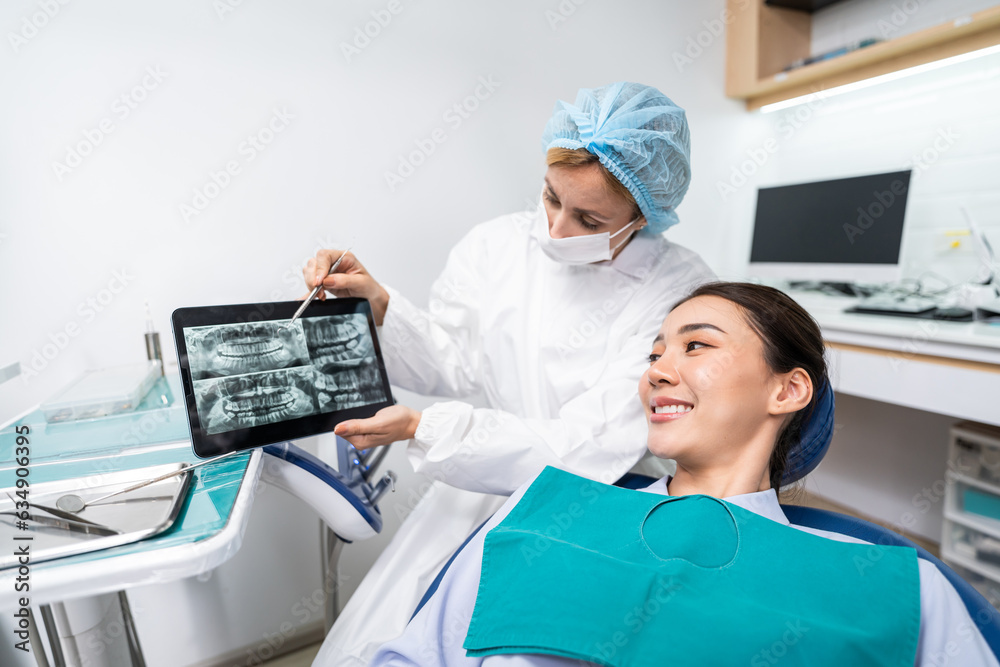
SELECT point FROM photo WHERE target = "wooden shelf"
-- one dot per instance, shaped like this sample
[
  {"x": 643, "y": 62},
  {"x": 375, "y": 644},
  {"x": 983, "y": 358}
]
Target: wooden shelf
[{"x": 761, "y": 40}]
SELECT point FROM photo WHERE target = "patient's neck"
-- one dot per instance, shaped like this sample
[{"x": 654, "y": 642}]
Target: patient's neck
[
  {"x": 717, "y": 483},
  {"x": 730, "y": 468},
  {"x": 723, "y": 475}
]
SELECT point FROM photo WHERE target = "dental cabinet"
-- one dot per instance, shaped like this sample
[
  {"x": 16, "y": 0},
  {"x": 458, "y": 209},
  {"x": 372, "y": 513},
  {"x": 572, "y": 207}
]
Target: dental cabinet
[{"x": 970, "y": 535}]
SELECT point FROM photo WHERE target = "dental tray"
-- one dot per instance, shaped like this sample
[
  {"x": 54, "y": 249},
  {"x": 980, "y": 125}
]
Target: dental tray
[
  {"x": 135, "y": 515},
  {"x": 104, "y": 392},
  {"x": 251, "y": 379}
]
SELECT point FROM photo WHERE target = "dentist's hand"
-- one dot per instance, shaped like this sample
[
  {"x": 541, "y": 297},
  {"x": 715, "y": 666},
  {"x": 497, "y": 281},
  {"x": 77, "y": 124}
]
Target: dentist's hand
[
  {"x": 389, "y": 425},
  {"x": 350, "y": 279}
]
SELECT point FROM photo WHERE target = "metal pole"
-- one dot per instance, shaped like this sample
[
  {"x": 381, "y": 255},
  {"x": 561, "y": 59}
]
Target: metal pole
[
  {"x": 35, "y": 639},
  {"x": 55, "y": 644},
  {"x": 131, "y": 636},
  {"x": 373, "y": 460},
  {"x": 331, "y": 547}
]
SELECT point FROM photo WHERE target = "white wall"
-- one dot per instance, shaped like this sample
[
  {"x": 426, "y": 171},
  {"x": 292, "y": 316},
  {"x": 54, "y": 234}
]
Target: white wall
[
  {"x": 319, "y": 183},
  {"x": 942, "y": 124}
]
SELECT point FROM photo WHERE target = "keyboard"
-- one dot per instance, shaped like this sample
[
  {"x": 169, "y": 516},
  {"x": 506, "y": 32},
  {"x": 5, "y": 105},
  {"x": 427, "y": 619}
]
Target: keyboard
[
  {"x": 911, "y": 306},
  {"x": 907, "y": 307}
]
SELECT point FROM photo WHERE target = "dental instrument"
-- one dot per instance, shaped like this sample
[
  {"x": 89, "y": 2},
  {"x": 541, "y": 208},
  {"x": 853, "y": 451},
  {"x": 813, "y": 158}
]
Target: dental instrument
[
  {"x": 59, "y": 514},
  {"x": 74, "y": 526},
  {"x": 152, "y": 337},
  {"x": 74, "y": 503},
  {"x": 312, "y": 295}
]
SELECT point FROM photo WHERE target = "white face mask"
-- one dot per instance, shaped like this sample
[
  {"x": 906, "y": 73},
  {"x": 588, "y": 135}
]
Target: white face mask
[{"x": 585, "y": 249}]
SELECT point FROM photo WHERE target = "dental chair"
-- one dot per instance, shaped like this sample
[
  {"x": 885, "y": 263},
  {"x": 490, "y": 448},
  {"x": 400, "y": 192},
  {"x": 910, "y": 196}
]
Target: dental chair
[
  {"x": 803, "y": 459},
  {"x": 346, "y": 500}
]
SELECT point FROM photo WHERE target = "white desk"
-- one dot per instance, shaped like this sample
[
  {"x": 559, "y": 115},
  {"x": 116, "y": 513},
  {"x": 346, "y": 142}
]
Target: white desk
[{"x": 948, "y": 368}]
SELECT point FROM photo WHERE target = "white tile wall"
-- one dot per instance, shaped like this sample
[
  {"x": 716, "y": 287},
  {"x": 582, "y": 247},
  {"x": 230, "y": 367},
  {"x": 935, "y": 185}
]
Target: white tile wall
[{"x": 944, "y": 124}]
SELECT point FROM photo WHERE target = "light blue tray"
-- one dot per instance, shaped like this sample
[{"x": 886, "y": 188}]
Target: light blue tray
[
  {"x": 161, "y": 417},
  {"x": 155, "y": 433}
]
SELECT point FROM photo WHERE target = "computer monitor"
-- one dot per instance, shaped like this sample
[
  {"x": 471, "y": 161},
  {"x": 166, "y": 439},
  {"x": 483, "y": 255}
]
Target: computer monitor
[{"x": 844, "y": 230}]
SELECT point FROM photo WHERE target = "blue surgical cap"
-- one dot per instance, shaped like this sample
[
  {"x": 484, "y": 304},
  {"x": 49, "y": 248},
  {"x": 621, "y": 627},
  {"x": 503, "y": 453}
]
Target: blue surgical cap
[{"x": 639, "y": 135}]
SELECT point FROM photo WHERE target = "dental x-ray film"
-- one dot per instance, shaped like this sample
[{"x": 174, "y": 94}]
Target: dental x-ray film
[{"x": 251, "y": 381}]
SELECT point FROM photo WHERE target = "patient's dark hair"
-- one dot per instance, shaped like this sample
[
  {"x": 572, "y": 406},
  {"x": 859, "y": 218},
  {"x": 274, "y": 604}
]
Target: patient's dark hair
[{"x": 791, "y": 339}]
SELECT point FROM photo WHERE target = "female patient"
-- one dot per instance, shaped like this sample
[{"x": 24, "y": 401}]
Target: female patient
[{"x": 702, "y": 568}]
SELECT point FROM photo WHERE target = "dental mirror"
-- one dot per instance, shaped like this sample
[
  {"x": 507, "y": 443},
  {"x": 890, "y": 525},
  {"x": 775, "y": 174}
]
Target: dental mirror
[{"x": 74, "y": 503}]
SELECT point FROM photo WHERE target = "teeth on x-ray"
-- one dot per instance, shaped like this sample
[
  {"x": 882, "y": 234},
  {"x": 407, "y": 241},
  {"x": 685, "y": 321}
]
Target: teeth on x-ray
[
  {"x": 339, "y": 341},
  {"x": 361, "y": 385},
  {"x": 248, "y": 349},
  {"x": 251, "y": 400},
  {"x": 246, "y": 375},
  {"x": 260, "y": 400},
  {"x": 233, "y": 349}
]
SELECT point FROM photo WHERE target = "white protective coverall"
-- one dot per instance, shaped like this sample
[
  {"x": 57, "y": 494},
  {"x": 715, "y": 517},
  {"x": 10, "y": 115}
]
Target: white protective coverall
[{"x": 558, "y": 351}]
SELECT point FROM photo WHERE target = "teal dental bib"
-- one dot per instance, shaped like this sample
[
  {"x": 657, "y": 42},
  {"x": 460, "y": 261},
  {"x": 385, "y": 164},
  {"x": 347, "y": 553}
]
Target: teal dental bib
[{"x": 625, "y": 578}]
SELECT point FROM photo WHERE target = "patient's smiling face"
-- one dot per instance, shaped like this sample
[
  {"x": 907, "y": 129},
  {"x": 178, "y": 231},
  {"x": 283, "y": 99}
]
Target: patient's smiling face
[{"x": 707, "y": 389}]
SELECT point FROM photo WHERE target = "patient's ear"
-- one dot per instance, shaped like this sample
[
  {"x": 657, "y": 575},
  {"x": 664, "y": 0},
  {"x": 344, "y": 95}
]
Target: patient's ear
[{"x": 792, "y": 392}]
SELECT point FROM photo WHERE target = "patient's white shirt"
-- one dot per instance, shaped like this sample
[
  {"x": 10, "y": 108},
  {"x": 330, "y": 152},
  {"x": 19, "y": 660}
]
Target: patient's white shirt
[{"x": 948, "y": 635}]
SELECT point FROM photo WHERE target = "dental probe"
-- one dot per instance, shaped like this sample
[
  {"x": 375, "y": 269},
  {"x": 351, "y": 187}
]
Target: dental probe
[
  {"x": 312, "y": 295},
  {"x": 71, "y": 502}
]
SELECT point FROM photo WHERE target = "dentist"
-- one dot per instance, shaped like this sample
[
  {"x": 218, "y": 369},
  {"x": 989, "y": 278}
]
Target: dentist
[{"x": 549, "y": 314}]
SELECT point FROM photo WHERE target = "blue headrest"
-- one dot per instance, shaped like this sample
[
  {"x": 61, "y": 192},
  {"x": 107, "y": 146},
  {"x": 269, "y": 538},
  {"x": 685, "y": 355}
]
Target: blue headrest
[{"x": 817, "y": 433}]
